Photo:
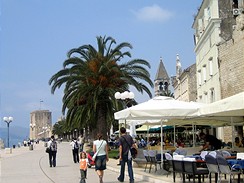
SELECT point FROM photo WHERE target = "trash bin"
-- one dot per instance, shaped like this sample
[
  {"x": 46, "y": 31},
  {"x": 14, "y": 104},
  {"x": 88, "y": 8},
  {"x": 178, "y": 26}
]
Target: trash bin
[
  {"x": 13, "y": 146},
  {"x": 31, "y": 147}
]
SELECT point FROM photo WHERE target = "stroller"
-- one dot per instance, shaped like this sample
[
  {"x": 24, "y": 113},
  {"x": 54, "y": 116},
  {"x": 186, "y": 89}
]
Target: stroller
[{"x": 90, "y": 161}]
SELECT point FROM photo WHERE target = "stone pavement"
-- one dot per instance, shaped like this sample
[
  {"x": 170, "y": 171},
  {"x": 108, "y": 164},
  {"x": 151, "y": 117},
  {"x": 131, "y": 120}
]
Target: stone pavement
[{"x": 31, "y": 166}]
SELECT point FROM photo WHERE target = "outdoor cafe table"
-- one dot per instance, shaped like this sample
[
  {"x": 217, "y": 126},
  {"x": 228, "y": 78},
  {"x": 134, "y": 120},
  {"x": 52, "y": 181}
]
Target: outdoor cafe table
[{"x": 239, "y": 162}]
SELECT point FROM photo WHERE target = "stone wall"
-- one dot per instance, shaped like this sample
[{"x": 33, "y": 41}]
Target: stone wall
[
  {"x": 231, "y": 67},
  {"x": 231, "y": 62}
]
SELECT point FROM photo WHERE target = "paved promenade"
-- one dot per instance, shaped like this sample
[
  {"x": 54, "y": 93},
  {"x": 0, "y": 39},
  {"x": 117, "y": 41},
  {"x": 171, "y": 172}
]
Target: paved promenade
[{"x": 31, "y": 166}]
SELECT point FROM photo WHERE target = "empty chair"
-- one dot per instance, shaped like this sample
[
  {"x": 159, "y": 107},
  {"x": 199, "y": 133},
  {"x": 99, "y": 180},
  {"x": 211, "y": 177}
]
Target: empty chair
[
  {"x": 191, "y": 168},
  {"x": 225, "y": 153},
  {"x": 213, "y": 153},
  {"x": 203, "y": 154},
  {"x": 213, "y": 167},
  {"x": 146, "y": 155},
  {"x": 178, "y": 168},
  {"x": 181, "y": 151},
  {"x": 153, "y": 160},
  {"x": 169, "y": 165},
  {"x": 225, "y": 168}
]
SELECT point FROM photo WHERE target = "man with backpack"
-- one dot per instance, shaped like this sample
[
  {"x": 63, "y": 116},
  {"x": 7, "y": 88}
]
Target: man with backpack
[
  {"x": 52, "y": 145},
  {"x": 75, "y": 150},
  {"x": 125, "y": 144}
]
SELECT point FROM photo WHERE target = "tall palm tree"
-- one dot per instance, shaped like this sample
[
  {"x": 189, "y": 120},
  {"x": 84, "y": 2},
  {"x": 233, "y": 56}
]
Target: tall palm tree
[{"x": 91, "y": 77}]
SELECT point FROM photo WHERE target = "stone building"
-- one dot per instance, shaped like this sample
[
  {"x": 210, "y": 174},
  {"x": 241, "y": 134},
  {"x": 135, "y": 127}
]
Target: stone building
[
  {"x": 231, "y": 61},
  {"x": 184, "y": 83},
  {"x": 40, "y": 124},
  {"x": 219, "y": 52}
]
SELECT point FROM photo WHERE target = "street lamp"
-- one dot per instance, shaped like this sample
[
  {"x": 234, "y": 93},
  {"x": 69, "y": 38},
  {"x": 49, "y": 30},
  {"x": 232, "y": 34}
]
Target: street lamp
[
  {"x": 45, "y": 130},
  {"x": 8, "y": 120},
  {"x": 126, "y": 97},
  {"x": 32, "y": 126}
]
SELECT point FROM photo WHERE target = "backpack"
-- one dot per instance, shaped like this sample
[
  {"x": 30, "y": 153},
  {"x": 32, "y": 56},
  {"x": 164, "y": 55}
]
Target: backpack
[
  {"x": 133, "y": 152},
  {"x": 53, "y": 146},
  {"x": 76, "y": 146}
]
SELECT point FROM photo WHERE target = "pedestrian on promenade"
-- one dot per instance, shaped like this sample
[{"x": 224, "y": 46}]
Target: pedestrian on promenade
[
  {"x": 82, "y": 142},
  {"x": 100, "y": 147},
  {"x": 83, "y": 167},
  {"x": 52, "y": 145},
  {"x": 75, "y": 150},
  {"x": 125, "y": 143}
]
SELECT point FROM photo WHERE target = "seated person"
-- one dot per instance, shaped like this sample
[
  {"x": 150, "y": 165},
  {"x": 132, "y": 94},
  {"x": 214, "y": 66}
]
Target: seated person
[{"x": 238, "y": 142}]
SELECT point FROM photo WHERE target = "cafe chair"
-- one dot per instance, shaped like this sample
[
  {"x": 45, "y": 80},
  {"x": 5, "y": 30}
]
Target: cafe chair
[
  {"x": 192, "y": 170},
  {"x": 213, "y": 153},
  {"x": 226, "y": 169},
  {"x": 181, "y": 151},
  {"x": 203, "y": 154},
  {"x": 178, "y": 168},
  {"x": 225, "y": 153},
  {"x": 213, "y": 167},
  {"x": 168, "y": 162},
  {"x": 146, "y": 155},
  {"x": 153, "y": 160}
]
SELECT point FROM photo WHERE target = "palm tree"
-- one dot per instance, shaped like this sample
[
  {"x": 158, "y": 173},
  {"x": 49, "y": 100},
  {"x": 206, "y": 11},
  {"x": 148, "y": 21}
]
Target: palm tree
[{"x": 91, "y": 77}]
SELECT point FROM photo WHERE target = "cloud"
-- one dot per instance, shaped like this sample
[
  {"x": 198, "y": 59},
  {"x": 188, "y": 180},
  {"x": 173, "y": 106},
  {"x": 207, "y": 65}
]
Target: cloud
[{"x": 153, "y": 13}]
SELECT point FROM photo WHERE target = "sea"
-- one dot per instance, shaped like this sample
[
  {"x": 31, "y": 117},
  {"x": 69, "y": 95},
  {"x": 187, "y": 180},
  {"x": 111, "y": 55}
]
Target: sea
[{"x": 16, "y": 136}]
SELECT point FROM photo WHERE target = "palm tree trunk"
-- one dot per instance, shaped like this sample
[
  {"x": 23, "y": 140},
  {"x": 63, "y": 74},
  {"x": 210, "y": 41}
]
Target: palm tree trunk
[{"x": 101, "y": 122}]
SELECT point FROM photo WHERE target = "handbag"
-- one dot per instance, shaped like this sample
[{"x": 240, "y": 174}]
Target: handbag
[
  {"x": 95, "y": 155},
  {"x": 132, "y": 150},
  {"x": 47, "y": 150}
]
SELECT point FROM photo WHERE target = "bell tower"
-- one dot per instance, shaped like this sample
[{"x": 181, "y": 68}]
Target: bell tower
[{"x": 161, "y": 81}]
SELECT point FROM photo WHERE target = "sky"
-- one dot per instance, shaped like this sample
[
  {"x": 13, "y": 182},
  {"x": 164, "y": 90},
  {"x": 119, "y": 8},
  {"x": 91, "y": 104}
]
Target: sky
[{"x": 35, "y": 36}]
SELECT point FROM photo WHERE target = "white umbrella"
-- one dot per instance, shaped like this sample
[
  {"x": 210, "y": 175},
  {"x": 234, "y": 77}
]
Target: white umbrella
[{"x": 159, "y": 108}]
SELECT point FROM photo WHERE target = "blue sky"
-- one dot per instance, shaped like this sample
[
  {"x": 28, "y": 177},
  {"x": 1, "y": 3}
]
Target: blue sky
[{"x": 35, "y": 36}]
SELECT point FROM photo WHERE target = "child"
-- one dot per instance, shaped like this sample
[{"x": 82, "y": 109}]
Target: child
[{"x": 83, "y": 167}]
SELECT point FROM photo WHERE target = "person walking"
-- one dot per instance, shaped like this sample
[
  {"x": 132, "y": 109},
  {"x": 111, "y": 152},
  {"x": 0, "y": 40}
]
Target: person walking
[
  {"x": 82, "y": 142},
  {"x": 52, "y": 145},
  {"x": 75, "y": 150},
  {"x": 125, "y": 143},
  {"x": 100, "y": 147},
  {"x": 83, "y": 167}
]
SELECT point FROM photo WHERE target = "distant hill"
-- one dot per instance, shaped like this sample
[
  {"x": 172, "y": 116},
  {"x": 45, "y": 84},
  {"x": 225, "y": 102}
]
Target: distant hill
[{"x": 16, "y": 134}]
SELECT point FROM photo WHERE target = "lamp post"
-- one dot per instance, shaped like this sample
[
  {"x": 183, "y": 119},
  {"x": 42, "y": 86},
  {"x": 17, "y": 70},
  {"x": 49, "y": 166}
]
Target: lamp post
[
  {"x": 44, "y": 130},
  {"x": 126, "y": 97},
  {"x": 32, "y": 126},
  {"x": 8, "y": 120}
]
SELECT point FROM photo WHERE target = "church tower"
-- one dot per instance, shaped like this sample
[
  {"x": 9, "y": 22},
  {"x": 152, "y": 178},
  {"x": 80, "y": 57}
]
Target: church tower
[
  {"x": 161, "y": 81},
  {"x": 178, "y": 67}
]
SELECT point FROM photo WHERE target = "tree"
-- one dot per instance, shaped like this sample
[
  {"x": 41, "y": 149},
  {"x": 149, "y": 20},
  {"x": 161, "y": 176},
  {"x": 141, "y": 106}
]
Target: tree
[{"x": 91, "y": 77}]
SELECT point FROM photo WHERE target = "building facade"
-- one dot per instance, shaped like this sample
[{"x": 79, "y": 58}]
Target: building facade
[
  {"x": 40, "y": 124},
  {"x": 184, "y": 83},
  {"x": 219, "y": 52}
]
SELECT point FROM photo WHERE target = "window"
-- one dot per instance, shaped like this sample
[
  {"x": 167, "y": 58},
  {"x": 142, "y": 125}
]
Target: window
[
  {"x": 204, "y": 73},
  {"x": 210, "y": 66},
  {"x": 199, "y": 77},
  {"x": 212, "y": 95},
  {"x": 205, "y": 97}
]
